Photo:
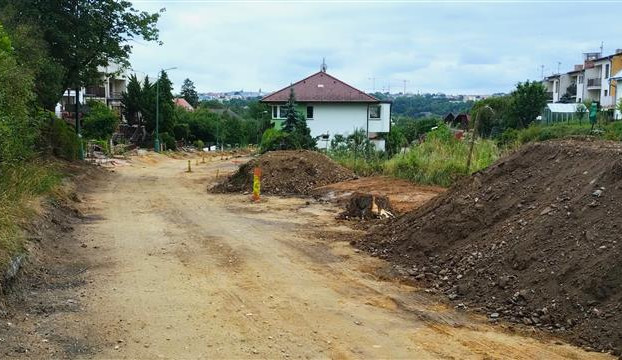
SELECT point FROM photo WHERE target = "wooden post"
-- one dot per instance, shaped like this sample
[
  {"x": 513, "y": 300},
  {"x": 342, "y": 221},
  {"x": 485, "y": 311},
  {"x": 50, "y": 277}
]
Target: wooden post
[{"x": 189, "y": 168}]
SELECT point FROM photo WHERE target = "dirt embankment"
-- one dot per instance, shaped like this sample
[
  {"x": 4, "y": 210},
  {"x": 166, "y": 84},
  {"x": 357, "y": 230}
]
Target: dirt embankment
[
  {"x": 294, "y": 172},
  {"x": 534, "y": 239}
]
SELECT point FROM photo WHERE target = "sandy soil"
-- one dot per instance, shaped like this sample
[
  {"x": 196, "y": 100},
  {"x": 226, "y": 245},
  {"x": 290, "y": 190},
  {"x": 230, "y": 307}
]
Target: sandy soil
[{"x": 170, "y": 271}]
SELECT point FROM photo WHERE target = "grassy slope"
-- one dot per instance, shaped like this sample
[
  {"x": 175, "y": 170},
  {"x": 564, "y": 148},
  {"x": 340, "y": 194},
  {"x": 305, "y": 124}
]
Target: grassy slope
[{"x": 19, "y": 186}]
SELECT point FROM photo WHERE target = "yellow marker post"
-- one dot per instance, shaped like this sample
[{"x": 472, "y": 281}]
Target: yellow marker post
[
  {"x": 203, "y": 158},
  {"x": 196, "y": 162},
  {"x": 189, "y": 168},
  {"x": 256, "y": 184}
]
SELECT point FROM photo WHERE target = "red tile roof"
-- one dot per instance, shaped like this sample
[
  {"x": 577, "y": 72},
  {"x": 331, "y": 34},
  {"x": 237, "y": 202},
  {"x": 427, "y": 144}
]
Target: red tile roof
[
  {"x": 183, "y": 103},
  {"x": 321, "y": 87}
]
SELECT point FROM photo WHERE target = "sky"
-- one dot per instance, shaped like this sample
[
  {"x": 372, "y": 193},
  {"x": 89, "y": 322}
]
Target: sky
[{"x": 453, "y": 47}]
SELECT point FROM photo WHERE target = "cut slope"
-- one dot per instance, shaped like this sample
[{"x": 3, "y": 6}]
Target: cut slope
[
  {"x": 533, "y": 239},
  {"x": 292, "y": 172}
]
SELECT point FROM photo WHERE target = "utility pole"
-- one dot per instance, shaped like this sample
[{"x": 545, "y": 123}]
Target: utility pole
[
  {"x": 405, "y": 81},
  {"x": 558, "y": 66},
  {"x": 542, "y": 71}
]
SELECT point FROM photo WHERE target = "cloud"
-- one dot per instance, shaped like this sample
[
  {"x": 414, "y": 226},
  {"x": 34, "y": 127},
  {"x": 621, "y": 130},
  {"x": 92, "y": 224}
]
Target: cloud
[{"x": 447, "y": 47}]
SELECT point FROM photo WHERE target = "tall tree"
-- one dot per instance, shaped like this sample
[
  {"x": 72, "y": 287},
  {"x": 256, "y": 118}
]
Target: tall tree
[
  {"x": 167, "y": 107},
  {"x": 147, "y": 104},
  {"x": 132, "y": 100},
  {"x": 84, "y": 35},
  {"x": 528, "y": 100},
  {"x": 295, "y": 125},
  {"x": 189, "y": 92}
]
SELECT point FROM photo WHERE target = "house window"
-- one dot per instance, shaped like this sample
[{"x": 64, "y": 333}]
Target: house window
[
  {"x": 374, "y": 111},
  {"x": 309, "y": 112},
  {"x": 580, "y": 79},
  {"x": 283, "y": 112},
  {"x": 606, "y": 71},
  {"x": 606, "y": 92},
  {"x": 275, "y": 114}
]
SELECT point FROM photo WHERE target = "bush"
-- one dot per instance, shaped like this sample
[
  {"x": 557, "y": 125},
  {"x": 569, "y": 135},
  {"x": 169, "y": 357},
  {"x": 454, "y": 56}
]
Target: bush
[
  {"x": 441, "y": 159},
  {"x": 100, "y": 122},
  {"x": 168, "y": 141},
  {"x": 56, "y": 136},
  {"x": 273, "y": 139},
  {"x": 199, "y": 144}
]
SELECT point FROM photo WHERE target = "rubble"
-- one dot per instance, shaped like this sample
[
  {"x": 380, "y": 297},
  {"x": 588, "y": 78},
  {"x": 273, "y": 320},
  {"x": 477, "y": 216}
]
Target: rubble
[{"x": 532, "y": 239}]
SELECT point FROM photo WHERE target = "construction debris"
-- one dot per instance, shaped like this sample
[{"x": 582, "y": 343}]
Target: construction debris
[
  {"x": 367, "y": 206},
  {"x": 534, "y": 240},
  {"x": 292, "y": 172}
]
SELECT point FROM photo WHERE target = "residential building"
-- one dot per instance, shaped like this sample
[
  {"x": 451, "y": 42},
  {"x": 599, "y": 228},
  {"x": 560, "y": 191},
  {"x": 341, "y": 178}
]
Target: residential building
[
  {"x": 181, "y": 102},
  {"x": 108, "y": 91},
  {"x": 333, "y": 107}
]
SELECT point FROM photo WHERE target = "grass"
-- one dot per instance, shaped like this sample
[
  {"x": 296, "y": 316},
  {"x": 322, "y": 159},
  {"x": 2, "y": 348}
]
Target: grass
[
  {"x": 19, "y": 184},
  {"x": 440, "y": 162}
]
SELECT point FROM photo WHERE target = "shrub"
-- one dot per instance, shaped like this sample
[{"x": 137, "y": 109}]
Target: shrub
[
  {"x": 100, "y": 122},
  {"x": 199, "y": 144},
  {"x": 168, "y": 140},
  {"x": 273, "y": 139}
]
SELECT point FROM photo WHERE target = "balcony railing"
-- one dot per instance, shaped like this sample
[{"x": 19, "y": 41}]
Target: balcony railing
[{"x": 595, "y": 82}]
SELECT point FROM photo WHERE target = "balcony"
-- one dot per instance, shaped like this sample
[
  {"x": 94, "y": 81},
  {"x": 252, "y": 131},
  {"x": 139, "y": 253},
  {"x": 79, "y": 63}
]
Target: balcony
[{"x": 594, "y": 83}]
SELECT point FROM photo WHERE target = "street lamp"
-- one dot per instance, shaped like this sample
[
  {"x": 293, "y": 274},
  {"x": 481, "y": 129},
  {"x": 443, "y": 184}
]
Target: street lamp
[
  {"x": 156, "y": 142},
  {"x": 259, "y": 125}
]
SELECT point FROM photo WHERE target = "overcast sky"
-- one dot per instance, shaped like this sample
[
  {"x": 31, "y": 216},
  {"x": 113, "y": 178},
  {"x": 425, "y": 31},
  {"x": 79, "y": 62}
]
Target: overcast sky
[{"x": 449, "y": 47}]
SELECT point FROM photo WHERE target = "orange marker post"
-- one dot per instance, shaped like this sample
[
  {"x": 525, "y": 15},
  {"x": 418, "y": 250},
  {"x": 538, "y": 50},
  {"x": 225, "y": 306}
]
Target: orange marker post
[{"x": 256, "y": 184}]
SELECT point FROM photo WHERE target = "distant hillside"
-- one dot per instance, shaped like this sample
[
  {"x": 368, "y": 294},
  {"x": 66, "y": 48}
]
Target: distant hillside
[{"x": 426, "y": 105}]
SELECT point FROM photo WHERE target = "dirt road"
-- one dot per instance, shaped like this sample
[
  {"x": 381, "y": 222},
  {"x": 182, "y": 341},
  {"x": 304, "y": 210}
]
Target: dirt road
[{"x": 175, "y": 272}]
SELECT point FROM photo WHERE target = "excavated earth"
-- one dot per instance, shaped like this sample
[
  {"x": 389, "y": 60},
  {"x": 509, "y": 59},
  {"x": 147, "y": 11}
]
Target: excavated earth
[
  {"x": 533, "y": 239},
  {"x": 292, "y": 172}
]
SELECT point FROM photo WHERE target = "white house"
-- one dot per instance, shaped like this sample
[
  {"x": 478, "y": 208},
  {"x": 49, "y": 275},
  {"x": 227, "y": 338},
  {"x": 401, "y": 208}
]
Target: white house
[{"x": 333, "y": 107}]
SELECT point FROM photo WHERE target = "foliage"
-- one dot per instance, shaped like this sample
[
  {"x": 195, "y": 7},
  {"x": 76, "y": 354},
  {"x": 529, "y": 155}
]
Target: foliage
[
  {"x": 491, "y": 124},
  {"x": 273, "y": 139},
  {"x": 168, "y": 140},
  {"x": 426, "y": 105},
  {"x": 395, "y": 140},
  {"x": 527, "y": 102},
  {"x": 61, "y": 138},
  {"x": 189, "y": 92},
  {"x": 414, "y": 128},
  {"x": 441, "y": 159},
  {"x": 78, "y": 37},
  {"x": 100, "y": 122},
  {"x": 181, "y": 131},
  {"x": 295, "y": 126},
  {"x": 199, "y": 144},
  {"x": 132, "y": 100},
  {"x": 19, "y": 183},
  {"x": 357, "y": 153}
]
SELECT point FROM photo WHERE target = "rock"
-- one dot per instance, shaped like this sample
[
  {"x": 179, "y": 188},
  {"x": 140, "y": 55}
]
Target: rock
[
  {"x": 494, "y": 315},
  {"x": 546, "y": 210},
  {"x": 597, "y": 193},
  {"x": 527, "y": 321}
]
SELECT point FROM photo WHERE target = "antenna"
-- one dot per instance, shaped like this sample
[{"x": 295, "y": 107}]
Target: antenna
[
  {"x": 542, "y": 71},
  {"x": 602, "y": 43},
  {"x": 323, "y": 68},
  {"x": 558, "y": 65},
  {"x": 405, "y": 81}
]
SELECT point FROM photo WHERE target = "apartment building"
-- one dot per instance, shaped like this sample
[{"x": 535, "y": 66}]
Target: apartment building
[
  {"x": 593, "y": 80},
  {"x": 108, "y": 91}
]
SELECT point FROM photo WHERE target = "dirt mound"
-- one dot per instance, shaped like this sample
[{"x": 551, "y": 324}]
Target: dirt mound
[
  {"x": 367, "y": 206},
  {"x": 293, "y": 172},
  {"x": 534, "y": 239}
]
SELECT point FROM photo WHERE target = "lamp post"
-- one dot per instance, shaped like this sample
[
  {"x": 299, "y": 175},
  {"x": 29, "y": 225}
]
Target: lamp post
[
  {"x": 156, "y": 142},
  {"x": 259, "y": 125}
]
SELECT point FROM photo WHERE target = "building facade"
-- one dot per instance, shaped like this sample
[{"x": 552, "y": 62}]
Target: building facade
[{"x": 333, "y": 107}]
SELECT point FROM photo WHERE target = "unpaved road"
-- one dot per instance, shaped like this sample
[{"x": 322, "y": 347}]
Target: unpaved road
[{"x": 175, "y": 272}]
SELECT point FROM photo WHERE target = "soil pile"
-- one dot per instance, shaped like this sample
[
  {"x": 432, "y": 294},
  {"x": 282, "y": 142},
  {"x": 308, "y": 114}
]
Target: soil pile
[
  {"x": 367, "y": 206},
  {"x": 534, "y": 239},
  {"x": 292, "y": 172}
]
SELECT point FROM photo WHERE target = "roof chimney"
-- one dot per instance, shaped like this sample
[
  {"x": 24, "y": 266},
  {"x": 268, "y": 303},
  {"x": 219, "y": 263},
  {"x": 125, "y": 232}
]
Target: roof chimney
[{"x": 323, "y": 68}]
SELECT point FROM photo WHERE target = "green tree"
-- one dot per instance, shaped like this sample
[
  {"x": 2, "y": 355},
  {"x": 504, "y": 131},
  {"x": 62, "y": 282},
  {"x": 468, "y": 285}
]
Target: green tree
[
  {"x": 100, "y": 122},
  {"x": 189, "y": 93},
  {"x": 295, "y": 125},
  {"x": 167, "y": 106},
  {"x": 148, "y": 104},
  {"x": 132, "y": 100},
  {"x": 395, "y": 140},
  {"x": 82, "y": 36},
  {"x": 528, "y": 100}
]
